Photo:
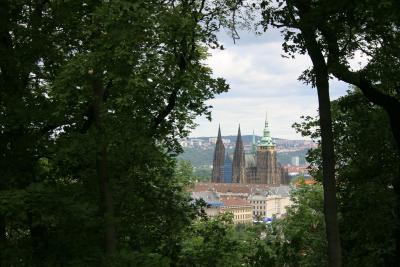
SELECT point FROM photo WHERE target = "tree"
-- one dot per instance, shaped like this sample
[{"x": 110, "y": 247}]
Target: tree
[
  {"x": 340, "y": 31},
  {"x": 184, "y": 172},
  {"x": 33, "y": 45},
  {"x": 295, "y": 18},
  {"x": 212, "y": 242},
  {"x": 298, "y": 239},
  {"x": 364, "y": 144},
  {"x": 93, "y": 97}
]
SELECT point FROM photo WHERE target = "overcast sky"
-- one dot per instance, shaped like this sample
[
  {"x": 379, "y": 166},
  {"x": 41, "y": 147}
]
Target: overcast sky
[{"x": 260, "y": 80}]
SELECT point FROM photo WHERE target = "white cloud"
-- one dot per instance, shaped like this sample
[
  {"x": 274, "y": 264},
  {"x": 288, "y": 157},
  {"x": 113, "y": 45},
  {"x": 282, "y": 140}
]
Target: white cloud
[
  {"x": 258, "y": 69},
  {"x": 250, "y": 114},
  {"x": 260, "y": 79}
]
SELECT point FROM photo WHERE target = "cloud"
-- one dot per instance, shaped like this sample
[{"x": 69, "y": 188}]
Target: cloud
[
  {"x": 260, "y": 80},
  {"x": 250, "y": 114},
  {"x": 258, "y": 70}
]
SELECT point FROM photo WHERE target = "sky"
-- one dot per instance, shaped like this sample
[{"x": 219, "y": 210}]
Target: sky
[{"x": 261, "y": 81}]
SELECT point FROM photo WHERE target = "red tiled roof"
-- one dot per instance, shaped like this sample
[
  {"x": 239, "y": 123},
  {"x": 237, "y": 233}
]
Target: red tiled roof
[
  {"x": 306, "y": 181},
  {"x": 234, "y": 202},
  {"x": 227, "y": 187}
]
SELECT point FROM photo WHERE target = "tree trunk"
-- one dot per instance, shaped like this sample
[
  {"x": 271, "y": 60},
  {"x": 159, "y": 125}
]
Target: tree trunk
[
  {"x": 389, "y": 103},
  {"x": 328, "y": 171},
  {"x": 328, "y": 156},
  {"x": 3, "y": 239},
  {"x": 106, "y": 205}
]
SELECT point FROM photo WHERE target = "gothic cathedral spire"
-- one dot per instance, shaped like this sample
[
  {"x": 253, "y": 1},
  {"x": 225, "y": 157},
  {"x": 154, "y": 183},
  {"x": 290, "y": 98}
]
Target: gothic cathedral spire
[
  {"x": 238, "y": 164},
  {"x": 218, "y": 162}
]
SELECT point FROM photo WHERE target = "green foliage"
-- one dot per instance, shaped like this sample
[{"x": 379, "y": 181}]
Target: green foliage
[
  {"x": 197, "y": 156},
  {"x": 202, "y": 174},
  {"x": 367, "y": 163},
  {"x": 184, "y": 172},
  {"x": 298, "y": 239},
  {"x": 214, "y": 242},
  {"x": 95, "y": 91}
]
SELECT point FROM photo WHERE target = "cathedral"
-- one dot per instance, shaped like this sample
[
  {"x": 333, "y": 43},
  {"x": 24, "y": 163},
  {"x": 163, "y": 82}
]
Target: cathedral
[{"x": 258, "y": 166}]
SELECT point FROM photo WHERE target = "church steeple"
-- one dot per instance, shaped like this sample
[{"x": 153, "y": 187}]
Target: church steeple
[
  {"x": 239, "y": 137},
  {"x": 218, "y": 162},
  {"x": 238, "y": 164},
  {"x": 266, "y": 140}
]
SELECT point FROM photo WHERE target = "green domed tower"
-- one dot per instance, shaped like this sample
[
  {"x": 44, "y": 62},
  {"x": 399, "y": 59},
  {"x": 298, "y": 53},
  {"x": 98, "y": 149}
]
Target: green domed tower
[{"x": 268, "y": 171}]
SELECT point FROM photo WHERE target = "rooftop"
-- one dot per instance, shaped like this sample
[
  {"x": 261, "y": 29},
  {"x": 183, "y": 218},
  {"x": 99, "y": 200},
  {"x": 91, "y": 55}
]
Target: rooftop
[
  {"x": 228, "y": 202},
  {"x": 228, "y": 187}
]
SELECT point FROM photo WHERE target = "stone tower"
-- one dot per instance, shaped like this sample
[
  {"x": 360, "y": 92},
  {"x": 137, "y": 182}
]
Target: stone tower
[
  {"x": 238, "y": 164},
  {"x": 253, "y": 144},
  {"x": 218, "y": 162},
  {"x": 268, "y": 170}
]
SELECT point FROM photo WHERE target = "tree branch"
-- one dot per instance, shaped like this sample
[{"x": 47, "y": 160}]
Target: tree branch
[{"x": 389, "y": 103}]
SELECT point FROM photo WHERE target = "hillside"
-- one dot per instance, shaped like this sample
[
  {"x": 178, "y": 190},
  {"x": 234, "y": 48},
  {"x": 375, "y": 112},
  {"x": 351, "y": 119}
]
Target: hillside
[{"x": 201, "y": 158}]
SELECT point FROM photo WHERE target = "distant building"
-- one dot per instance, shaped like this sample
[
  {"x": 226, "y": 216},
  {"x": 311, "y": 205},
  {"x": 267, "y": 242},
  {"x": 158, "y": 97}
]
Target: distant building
[
  {"x": 212, "y": 140},
  {"x": 246, "y": 202},
  {"x": 296, "y": 161},
  {"x": 242, "y": 211},
  {"x": 231, "y": 189},
  {"x": 297, "y": 170},
  {"x": 259, "y": 166},
  {"x": 271, "y": 203},
  {"x": 196, "y": 142},
  {"x": 212, "y": 200}
]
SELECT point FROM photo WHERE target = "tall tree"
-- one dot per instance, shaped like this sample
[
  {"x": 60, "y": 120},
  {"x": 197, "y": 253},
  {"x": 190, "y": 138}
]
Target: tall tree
[
  {"x": 345, "y": 29},
  {"x": 299, "y": 238},
  {"x": 93, "y": 97},
  {"x": 366, "y": 165},
  {"x": 295, "y": 18}
]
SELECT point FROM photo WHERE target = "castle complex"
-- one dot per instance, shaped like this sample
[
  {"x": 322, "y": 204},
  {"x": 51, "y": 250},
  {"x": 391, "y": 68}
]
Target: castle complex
[{"x": 259, "y": 166}]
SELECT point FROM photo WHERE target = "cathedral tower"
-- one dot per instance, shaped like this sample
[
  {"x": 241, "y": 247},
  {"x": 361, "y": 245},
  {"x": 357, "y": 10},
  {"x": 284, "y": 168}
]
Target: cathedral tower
[
  {"x": 253, "y": 144},
  {"x": 268, "y": 171},
  {"x": 238, "y": 164},
  {"x": 218, "y": 162}
]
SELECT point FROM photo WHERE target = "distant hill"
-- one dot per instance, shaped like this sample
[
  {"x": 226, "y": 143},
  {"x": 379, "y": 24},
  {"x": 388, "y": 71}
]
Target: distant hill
[
  {"x": 203, "y": 158},
  {"x": 245, "y": 138},
  {"x": 201, "y": 154}
]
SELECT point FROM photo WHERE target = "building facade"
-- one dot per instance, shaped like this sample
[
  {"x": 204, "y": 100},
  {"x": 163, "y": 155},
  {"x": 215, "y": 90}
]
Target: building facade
[
  {"x": 270, "y": 204},
  {"x": 246, "y": 202},
  {"x": 241, "y": 210},
  {"x": 259, "y": 166}
]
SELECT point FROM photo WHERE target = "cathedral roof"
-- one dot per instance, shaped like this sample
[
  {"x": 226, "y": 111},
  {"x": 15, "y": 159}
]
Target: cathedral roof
[{"x": 229, "y": 202}]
